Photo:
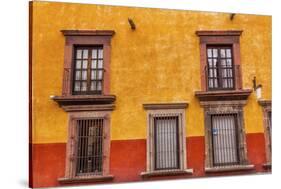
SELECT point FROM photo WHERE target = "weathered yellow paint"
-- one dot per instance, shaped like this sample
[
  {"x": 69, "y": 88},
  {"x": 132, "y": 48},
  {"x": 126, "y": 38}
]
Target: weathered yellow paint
[{"x": 158, "y": 62}]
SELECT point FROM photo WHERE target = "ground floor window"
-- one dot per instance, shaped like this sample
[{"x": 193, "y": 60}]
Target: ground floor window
[
  {"x": 89, "y": 155},
  {"x": 225, "y": 140},
  {"x": 166, "y": 142}
]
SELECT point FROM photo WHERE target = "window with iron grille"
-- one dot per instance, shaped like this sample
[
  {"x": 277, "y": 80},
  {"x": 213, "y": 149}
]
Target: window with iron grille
[
  {"x": 88, "y": 70},
  {"x": 220, "y": 68},
  {"x": 166, "y": 143},
  {"x": 89, "y": 151},
  {"x": 225, "y": 140}
]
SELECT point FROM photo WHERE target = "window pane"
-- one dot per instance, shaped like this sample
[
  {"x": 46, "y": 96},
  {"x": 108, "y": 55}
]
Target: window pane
[
  {"x": 100, "y": 74},
  {"x": 94, "y": 64},
  {"x": 77, "y": 75},
  {"x": 215, "y": 52},
  {"x": 228, "y": 53},
  {"x": 84, "y": 75},
  {"x": 84, "y": 86},
  {"x": 94, "y": 54},
  {"x": 79, "y": 54},
  {"x": 223, "y": 63},
  {"x": 85, "y": 64},
  {"x": 228, "y": 62},
  {"x": 77, "y": 86},
  {"x": 93, "y": 75},
  {"x": 85, "y": 54},
  {"x": 100, "y": 64},
  {"x": 99, "y": 86},
  {"x": 78, "y": 64},
  {"x": 209, "y": 52},
  {"x": 100, "y": 53},
  {"x": 222, "y": 53},
  {"x": 93, "y": 86}
]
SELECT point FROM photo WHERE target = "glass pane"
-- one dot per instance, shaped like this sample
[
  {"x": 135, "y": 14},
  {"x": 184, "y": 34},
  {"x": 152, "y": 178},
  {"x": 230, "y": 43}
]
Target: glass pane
[
  {"x": 210, "y": 62},
  {"x": 215, "y": 52},
  {"x": 211, "y": 83},
  {"x": 84, "y": 75},
  {"x": 93, "y": 75},
  {"x": 228, "y": 63},
  {"x": 100, "y": 74},
  {"x": 222, "y": 53},
  {"x": 77, "y": 75},
  {"x": 85, "y": 64},
  {"x": 85, "y": 54},
  {"x": 228, "y": 53},
  {"x": 84, "y": 86},
  {"x": 94, "y": 54},
  {"x": 215, "y": 62},
  {"x": 100, "y": 53},
  {"x": 79, "y": 54},
  {"x": 94, "y": 64},
  {"x": 77, "y": 86},
  {"x": 223, "y": 63},
  {"x": 229, "y": 72},
  {"x": 215, "y": 72},
  {"x": 100, "y": 64},
  {"x": 224, "y": 73},
  {"x": 78, "y": 64},
  {"x": 209, "y": 53},
  {"x": 210, "y": 72},
  {"x": 99, "y": 86},
  {"x": 93, "y": 86}
]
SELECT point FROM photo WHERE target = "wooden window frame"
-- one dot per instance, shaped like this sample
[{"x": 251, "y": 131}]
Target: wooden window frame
[
  {"x": 70, "y": 170},
  {"x": 165, "y": 109},
  {"x": 75, "y": 38},
  {"x": 219, "y": 69},
  {"x": 266, "y": 108},
  {"x": 88, "y": 70},
  {"x": 230, "y": 38},
  {"x": 219, "y": 108}
]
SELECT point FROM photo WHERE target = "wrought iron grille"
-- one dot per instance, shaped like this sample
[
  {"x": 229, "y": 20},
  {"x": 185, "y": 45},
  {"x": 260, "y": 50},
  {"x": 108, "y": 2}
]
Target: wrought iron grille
[
  {"x": 225, "y": 140},
  {"x": 89, "y": 159},
  {"x": 88, "y": 70},
  {"x": 166, "y": 143},
  {"x": 220, "y": 68}
]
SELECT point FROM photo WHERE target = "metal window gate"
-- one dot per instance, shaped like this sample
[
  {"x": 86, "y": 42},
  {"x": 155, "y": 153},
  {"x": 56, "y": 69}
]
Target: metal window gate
[
  {"x": 89, "y": 154},
  {"x": 166, "y": 142},
  {"x": 225, "y": 139}
]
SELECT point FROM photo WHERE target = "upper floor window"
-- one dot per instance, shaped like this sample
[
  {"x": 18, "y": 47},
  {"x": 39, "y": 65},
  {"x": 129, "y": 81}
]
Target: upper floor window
[
  {"x": 220, "y": 71},
  {"x": 220, "y": 60},
  {"x": 88, "y": 70},
  {"x": 86, "y": 62}
]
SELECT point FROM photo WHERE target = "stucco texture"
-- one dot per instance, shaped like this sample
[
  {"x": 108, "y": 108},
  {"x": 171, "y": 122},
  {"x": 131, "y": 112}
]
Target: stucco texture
[{"x": 158, "y": 62}]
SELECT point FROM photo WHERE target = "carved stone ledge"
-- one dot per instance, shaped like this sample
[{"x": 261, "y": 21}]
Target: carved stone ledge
[
  {"x": 85, "y": 179},
  {"x": 158, "y": 106},
  {"x": 166, "y": 173},
  {"x": 84, "y": 99},
  {"x": 223, "y": 95},
  {"x": 229, "y": 168},
  {"x": 88, "y": 32},
  {"x": 264, "y": 103}
]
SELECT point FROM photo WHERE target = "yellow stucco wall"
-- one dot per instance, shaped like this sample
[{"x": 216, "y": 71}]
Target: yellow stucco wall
[{"x": 158, "y": 62}]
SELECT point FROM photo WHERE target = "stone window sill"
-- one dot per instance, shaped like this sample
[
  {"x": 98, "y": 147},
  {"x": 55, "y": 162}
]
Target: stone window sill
[
  {"x": 223, "y": 95},
  {"x": 85, "y": 179},
  {"x": 166, "y": 173},
  {"x": 267, "y": 165},
  {"x": 229, "y": 168}
]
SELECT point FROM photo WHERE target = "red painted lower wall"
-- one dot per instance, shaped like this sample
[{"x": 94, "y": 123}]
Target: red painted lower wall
[{"x": 128, "y": 159}]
